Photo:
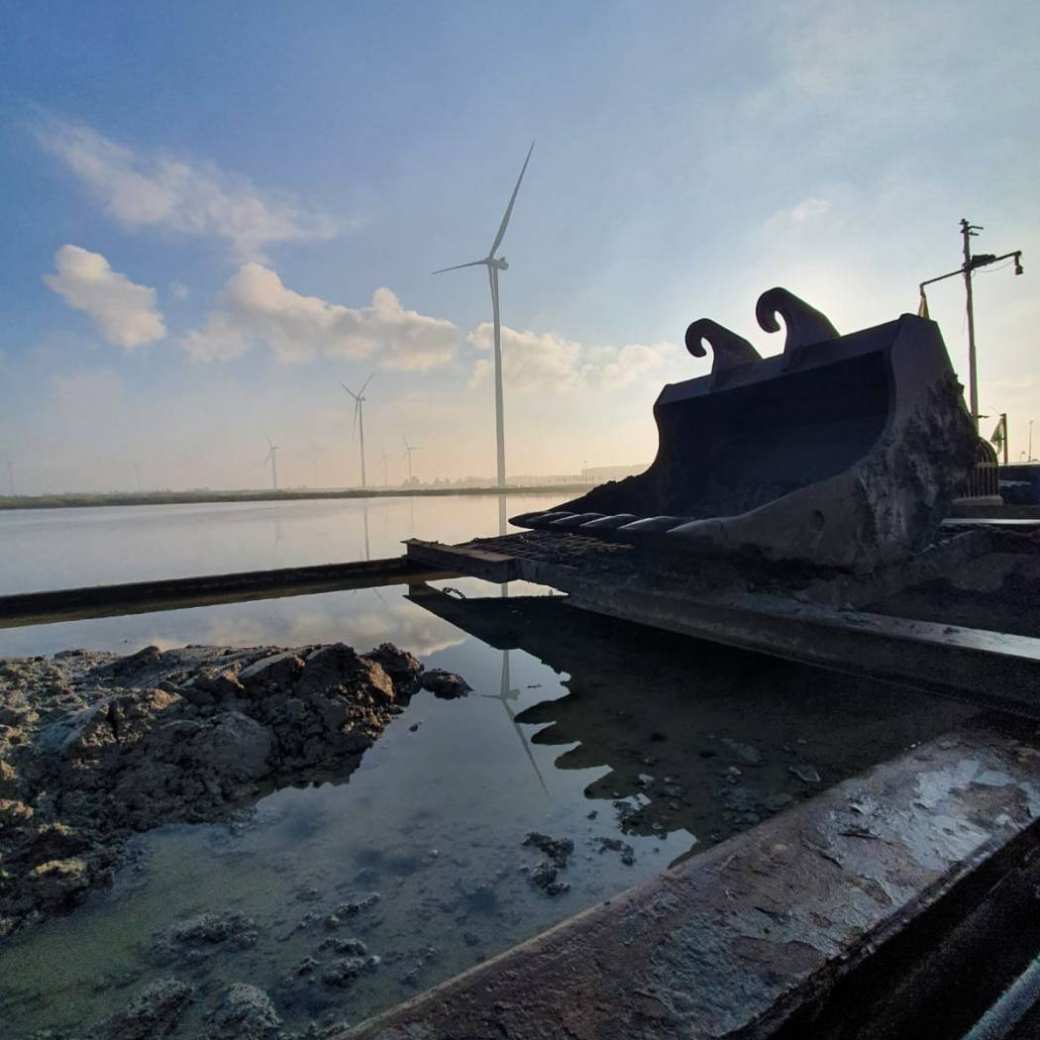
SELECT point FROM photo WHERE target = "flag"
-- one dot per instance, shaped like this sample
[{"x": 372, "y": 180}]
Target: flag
[{"x": 922, "y": 307}]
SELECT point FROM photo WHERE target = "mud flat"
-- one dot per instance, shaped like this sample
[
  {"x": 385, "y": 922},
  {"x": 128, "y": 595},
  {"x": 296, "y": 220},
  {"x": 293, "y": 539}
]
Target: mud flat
[{"x": 95, "y": 747}]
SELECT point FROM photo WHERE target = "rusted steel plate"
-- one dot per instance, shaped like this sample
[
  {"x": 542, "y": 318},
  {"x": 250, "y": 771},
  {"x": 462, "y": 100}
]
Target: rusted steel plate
[{"x": 732, "y": 942}]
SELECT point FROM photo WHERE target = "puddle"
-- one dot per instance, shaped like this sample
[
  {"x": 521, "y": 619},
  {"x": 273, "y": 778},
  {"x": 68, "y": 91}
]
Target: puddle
[{"x": 638, "y": 747}]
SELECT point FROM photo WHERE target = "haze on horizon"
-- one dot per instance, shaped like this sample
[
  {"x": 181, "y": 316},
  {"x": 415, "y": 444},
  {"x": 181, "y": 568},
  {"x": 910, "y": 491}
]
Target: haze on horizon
[{"x": 214, "y": 216}]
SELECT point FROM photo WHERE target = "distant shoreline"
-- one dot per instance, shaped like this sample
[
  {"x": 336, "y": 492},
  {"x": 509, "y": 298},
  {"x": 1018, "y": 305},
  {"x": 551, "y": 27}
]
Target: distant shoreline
[{"x": 166, "y": 498}]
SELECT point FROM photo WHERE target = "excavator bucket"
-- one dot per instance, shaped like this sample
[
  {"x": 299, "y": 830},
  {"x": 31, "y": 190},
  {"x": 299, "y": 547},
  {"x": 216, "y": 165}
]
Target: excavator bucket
[{"x": 843, "y": 451}]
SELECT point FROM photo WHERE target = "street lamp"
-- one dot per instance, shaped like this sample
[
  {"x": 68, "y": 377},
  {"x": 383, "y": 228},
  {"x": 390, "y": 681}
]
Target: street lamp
[{"x": 968, "y": 232}]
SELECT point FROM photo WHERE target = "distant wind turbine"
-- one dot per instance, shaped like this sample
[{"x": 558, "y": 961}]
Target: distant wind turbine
[
  {"x": 359, "y": 419},
  {"x": 272, "y": 457},
  {"x": 408, "y": 449},
  {"x": 494, "y": 265}
]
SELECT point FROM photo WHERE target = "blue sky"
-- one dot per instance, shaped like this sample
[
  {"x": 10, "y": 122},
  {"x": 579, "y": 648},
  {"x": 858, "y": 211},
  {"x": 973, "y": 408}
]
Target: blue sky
[{"x": 214, "y": 213}]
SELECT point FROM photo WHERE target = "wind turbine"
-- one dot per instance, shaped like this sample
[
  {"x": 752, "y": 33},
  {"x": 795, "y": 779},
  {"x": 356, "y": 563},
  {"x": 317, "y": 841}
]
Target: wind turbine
[
  {"x": 359, "y": 419},
  {"x": 408, "y": 449},
  {"x": 494, "y": 264},
  {"x": 272, "y": 457}
]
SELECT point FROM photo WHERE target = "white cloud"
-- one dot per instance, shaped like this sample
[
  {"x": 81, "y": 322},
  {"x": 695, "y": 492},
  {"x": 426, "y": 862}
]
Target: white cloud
[
  {"x": 159, "y": 191},
  {"x": 805, "y": 212},
  {"x": 125, "y": 312},
  {"x": 256, "y": 307},
  {"x": 545, "y": 361}
]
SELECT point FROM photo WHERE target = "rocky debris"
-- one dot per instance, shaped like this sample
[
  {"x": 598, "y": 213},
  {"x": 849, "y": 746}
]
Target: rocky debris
[
  {"x": 546, "y": 874},
  {"x": 545, "y": 877},
  {"x": 94, "y": 747},
  {"x": 402, "y": 667},
  {"x": 445, "y": 685},
  {"x": 807, "y": 774},
  {"x": 557, "y": 849},
  {"x": 244, "y": 1013},
  {"x": 419, "y": 960},
  {"x": 628, "y": 854},
  {"x": 745, "y": 752},
  {"x": 344, "y": 970},
  {"x": 154, "y": 1012},
  {"x": 204, "y": 934}
]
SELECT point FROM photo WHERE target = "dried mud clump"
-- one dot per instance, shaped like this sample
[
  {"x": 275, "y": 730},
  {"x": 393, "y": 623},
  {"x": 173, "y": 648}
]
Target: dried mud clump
[{"x": 94, "y": 747}]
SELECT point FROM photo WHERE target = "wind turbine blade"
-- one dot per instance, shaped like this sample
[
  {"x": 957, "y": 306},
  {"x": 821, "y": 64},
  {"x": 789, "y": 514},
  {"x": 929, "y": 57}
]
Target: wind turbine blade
[
  {"x": 349, "y": 391},
  {"x": 365, "y": 386},
  {"x": 459, "y": 267},
  {"x": 509, "y": 209}
]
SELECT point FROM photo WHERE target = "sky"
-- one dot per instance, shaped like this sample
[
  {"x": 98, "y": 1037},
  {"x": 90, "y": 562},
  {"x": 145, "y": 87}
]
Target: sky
[{"x": 216, "y": 214}]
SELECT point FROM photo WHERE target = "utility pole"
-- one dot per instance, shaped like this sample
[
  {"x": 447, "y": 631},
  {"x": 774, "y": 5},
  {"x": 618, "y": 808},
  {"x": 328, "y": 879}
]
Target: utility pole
[
  {"x": 1003, "y": 427},
  {"x": 968, "y": 232}
]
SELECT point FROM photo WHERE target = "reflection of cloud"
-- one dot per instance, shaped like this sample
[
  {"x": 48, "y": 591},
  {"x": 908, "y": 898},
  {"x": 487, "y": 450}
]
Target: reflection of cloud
[
  {"x": 402, "y": 623},
  {"x": 410, "y": 628}
]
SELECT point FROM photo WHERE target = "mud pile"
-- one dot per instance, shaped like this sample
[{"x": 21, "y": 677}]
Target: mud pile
[{"x": 94, "y": 747}]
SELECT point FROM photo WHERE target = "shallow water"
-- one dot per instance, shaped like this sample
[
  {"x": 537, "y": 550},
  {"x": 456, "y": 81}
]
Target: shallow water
[
  {"x": 577, "y": 727},
  {"x": 67, "y": 548}
]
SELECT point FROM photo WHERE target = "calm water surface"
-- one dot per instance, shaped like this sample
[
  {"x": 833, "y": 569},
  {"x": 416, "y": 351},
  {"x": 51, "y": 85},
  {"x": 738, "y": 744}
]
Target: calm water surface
[
  {"x": 65, "y": 548},
  {"x": 577, "y": 727}
]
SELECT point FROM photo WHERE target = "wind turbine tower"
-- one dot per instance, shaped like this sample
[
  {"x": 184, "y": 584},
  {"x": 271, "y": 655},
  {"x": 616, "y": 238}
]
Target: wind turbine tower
[
  {"x": 494, "y": 264},
  {"x": 359, "y": 420},
  {"x": 272, "y": 457},
  {"x": 408, "y": 449}
]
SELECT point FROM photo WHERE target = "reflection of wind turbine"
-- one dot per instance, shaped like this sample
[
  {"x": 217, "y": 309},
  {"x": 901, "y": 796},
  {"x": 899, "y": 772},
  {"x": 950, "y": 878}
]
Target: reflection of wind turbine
[
  {"x": 505, "y": 695},
  {"x": 408, "y": 449},
  {"x": 272, "y": 457},
  {"x": 359, "y": 419},
  {"x": 494, "y": 264},
  {"x": 364, "y": 513}
]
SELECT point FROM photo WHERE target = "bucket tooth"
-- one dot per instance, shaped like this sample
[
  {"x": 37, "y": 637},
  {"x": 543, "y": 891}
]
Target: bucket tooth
[
  {"x": 547, "y": 519},
  {"x": 526, "y": 519},
  {"x": 575, "y": 520},
  {"x": 843, "y": 451},
  {"x": 650, "y": 525},
  {"x": 605, "y": 524}
]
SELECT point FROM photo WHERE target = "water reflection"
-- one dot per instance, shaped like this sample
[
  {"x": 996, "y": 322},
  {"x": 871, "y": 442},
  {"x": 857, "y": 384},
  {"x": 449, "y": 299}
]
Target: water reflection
[
  {"x": 688, "y": 736},
  {"x": 66, "y": 548}
]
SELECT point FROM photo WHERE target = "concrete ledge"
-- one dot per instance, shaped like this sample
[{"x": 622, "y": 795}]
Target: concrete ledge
[{"x": 735, "y": 941}]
